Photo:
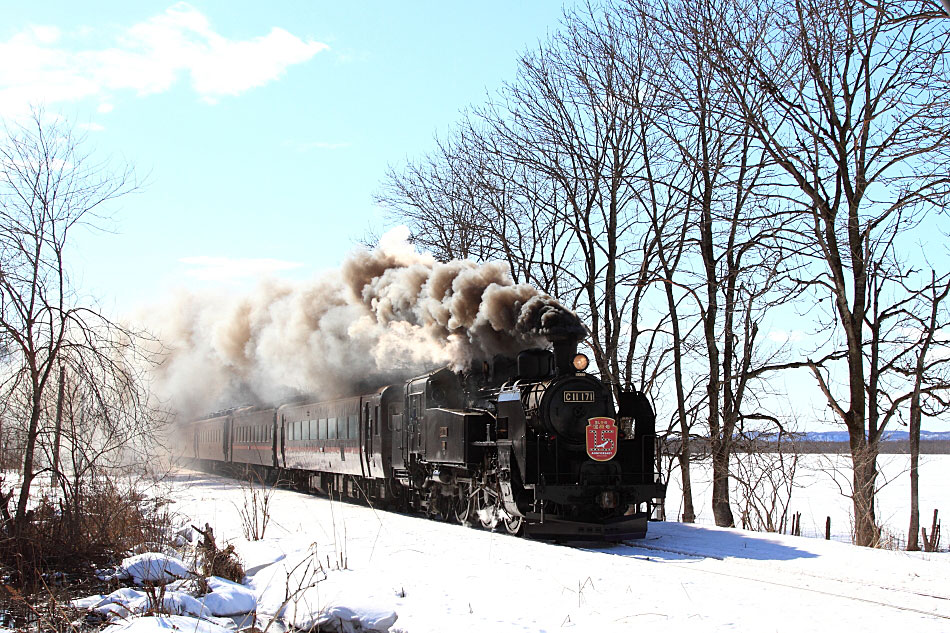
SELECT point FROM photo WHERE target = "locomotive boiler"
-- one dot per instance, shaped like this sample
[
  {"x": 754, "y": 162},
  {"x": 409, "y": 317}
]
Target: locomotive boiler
[{"x": 532, "y": 443}]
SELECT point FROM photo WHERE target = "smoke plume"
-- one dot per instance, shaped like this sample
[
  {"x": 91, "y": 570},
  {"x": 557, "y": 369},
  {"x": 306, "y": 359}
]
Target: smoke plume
[{"x": 386, "y": 314}]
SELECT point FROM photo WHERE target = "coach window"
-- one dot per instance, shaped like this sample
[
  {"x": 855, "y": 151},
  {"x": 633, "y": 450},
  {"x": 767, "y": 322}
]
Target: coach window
[
  {"x": 331, "y": 429},
  {"x": 354, "y": 432}
]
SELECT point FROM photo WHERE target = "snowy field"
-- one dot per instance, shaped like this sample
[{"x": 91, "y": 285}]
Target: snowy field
[
  {"x": 822, "y": 483},
  {"x": 450, "y": 578}
]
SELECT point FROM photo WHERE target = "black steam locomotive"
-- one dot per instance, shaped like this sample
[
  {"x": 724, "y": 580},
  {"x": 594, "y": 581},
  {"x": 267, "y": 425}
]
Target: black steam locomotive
[{"x": 532, "y": 443}]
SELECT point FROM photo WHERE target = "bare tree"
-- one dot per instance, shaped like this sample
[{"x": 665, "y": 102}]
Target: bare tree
[
  {"x": 48, "y": 188},
  {"x": 765, "y": 479},
  {"x": 855, "y": 114}
]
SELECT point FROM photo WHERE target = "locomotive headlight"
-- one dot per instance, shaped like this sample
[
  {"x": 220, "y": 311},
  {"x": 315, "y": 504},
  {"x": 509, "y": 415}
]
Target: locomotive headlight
[{"x": 581, "y": 362}]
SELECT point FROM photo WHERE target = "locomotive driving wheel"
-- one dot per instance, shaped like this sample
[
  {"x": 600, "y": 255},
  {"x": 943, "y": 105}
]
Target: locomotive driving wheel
[
  {"x": 486, "y": 506},
  {"x": 464, "y": 504},
  {"x": 513, "y": 525},
  {"x": 438, "y": 506}
]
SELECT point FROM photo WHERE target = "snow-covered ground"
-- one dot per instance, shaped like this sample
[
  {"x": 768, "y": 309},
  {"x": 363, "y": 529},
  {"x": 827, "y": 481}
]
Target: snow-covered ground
[
  {"x": 450, "y": 578},
  {"x": 822, "y": 486}
]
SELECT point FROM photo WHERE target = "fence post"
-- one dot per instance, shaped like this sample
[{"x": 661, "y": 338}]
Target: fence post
[{"x": 828, "y": 529}]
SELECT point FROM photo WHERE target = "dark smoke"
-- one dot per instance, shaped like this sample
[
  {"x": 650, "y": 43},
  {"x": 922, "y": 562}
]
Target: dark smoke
[{"x": 386, "y": 314}]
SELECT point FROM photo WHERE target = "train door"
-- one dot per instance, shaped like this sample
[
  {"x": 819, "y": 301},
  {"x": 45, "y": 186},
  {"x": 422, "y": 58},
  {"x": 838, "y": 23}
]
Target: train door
[
  {"x": 283, "y": 436},
  {"x": 378, "y": 439},
  {"x": 273, "y": 440},
  {"x": 366, "y": 440},
  {"x": 415, "y": 423},
  {"x": 399, "y": 433},
  {"x": 226, "y": 439}
]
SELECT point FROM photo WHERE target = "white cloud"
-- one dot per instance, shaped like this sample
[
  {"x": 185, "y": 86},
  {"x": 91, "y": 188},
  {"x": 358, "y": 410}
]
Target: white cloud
[
  {"x": 208, "y": 268},
  {"x": 39, "y": 65},
  {"x": 104, "y": 108},
  {"x": 91, "y": 127},
  {"x": 45, "y": 34}
]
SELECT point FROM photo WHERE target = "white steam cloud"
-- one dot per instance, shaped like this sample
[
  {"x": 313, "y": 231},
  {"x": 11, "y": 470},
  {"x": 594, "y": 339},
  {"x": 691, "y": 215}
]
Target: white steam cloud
[{"x": 386, "y": 314}]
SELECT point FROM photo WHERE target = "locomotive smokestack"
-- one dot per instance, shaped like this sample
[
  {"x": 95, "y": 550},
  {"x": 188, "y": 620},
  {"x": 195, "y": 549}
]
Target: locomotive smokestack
[
  {"x": 565, "y": 348},
  {"x": 546, "y": 316}
]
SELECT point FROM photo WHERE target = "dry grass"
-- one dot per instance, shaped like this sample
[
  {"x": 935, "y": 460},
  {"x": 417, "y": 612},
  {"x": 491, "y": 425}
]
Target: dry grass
[{"x": 67, "y": 538}]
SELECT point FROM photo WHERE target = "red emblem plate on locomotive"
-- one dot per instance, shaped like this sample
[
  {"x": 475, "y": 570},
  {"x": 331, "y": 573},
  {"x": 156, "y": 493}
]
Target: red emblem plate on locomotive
[{"x": 601, "y": 439}]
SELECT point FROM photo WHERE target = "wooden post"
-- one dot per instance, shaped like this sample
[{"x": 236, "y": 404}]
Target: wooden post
[
  {"x": 828, "y": 529},
  {"x": 931, "y": 543}
]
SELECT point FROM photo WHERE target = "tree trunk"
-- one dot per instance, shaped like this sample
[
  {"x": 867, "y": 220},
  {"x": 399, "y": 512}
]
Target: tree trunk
[
  {"x": 689, "y": 514},
  {"x": 28, "y": 453},
  {"x": 864, "y": 464},
  {"x": 722, "y": 509},
  {"x": 57, "y": 437},
  {"x": 913, "y": 545}
]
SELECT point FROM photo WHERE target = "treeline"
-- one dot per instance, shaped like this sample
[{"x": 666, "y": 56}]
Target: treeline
[
  {"x": 701, "y": 447},
  {"x": 725, "y": 190}
]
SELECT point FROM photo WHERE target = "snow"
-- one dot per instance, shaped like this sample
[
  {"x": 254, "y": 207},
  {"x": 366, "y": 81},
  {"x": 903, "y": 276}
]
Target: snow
[
  {"x": 162, "y": 624},
  {"x": 228, "y": 598},
  {"x": 152, "y": 567},
  {"x": 354, "y": 568},
  {"x": 126, "y": 602},
  {"x": 823, "y": 483}
]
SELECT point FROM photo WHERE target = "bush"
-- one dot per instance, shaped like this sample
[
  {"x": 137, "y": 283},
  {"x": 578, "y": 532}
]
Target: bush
[{"x": 69, "y": 537}]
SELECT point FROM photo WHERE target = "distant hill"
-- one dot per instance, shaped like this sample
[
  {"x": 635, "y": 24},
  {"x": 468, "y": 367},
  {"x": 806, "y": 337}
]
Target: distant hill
[
  {"x": 889, "y": 436},
  {"x": 895, "y": 442}
]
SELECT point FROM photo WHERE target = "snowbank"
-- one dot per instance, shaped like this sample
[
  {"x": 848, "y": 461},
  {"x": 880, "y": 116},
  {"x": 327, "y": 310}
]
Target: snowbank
[
  {"x": 150, "y": 567},
  {"x": 164, "y": 623}
]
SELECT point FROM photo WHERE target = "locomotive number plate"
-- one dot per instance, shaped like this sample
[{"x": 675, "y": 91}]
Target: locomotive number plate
[{"x": 578, "y": 396}]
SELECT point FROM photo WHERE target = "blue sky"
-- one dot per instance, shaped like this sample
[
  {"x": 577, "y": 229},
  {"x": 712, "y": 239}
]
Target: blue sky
[{"x": 261, "y": 130}]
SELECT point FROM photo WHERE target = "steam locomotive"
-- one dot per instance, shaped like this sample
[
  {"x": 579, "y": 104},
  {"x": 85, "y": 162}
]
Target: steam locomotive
[{"x": 531, "y": 443}]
